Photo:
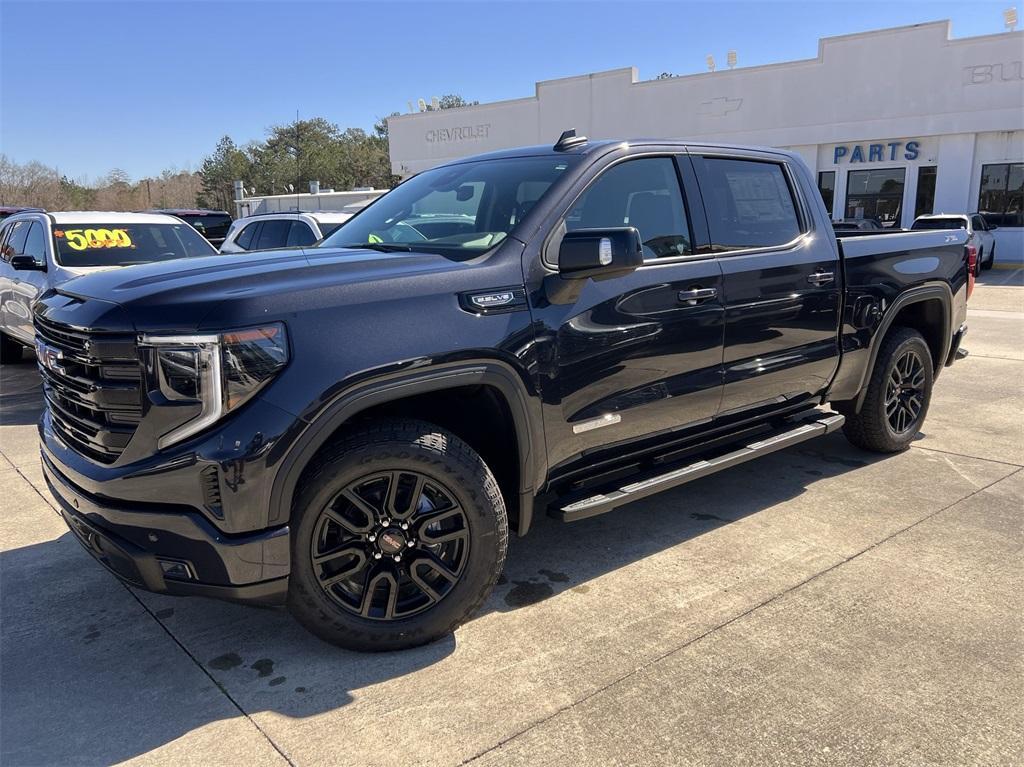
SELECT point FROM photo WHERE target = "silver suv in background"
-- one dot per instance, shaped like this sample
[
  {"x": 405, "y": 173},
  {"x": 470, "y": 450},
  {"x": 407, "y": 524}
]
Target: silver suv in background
[
  {"x": 282, "y": 230},
  {"x": 979, "y": 232},
  {"x": 39, "y": 251}
]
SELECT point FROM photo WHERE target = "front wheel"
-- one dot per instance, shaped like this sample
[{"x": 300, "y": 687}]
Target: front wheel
[
  {"x": 991, "y": 259},
  {"x": 898, "y": 395},
  {"x": 399, "y": 534}
]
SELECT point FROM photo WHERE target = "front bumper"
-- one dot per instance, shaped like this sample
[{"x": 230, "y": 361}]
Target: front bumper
[{"x": 171, "y": 551}]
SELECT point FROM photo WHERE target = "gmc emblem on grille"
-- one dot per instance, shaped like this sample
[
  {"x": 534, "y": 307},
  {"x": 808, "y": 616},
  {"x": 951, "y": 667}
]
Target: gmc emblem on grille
[{"x": 50, "y": 357}]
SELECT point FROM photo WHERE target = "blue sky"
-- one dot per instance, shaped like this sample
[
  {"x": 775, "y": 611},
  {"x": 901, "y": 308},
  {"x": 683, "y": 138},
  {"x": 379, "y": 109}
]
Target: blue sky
[{"x": 145, "y": 86}]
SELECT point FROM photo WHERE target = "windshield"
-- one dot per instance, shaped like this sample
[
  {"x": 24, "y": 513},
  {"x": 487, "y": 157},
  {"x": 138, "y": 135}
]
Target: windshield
[
  {"x": 79, "y": 245},
  {"x": 459, "y": 211},
  {"x": 208, "y": 225},
  {"x": 939, "y": 223}
]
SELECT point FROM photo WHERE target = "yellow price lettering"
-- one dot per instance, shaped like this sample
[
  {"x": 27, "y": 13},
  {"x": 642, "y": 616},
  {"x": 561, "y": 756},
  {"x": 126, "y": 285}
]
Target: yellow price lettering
[
  {"x": 76, "y": 240},
  {"x": 80, "y": 239}
]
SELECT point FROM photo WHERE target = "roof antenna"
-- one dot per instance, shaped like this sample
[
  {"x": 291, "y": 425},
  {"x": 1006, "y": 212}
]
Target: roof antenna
[
  {"x": 298, "y": 164},
  {"x": 568, "y": 140}
]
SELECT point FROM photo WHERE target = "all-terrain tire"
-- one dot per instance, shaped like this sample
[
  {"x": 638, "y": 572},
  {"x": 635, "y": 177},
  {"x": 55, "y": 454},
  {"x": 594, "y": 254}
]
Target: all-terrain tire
[
  {"x": 441, "y": 458},
  {"x": 871, "y": 428},
  {"x": 10, "y": 350}
]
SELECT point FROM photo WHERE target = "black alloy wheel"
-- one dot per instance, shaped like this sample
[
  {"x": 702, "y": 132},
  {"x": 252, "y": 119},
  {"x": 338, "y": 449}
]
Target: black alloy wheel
[
  {"x": 895, "y": 402},
  {"x": 398, "y": 535},
  {"x": 390, "y": 545},
  {"x": 905, "y": 392}
]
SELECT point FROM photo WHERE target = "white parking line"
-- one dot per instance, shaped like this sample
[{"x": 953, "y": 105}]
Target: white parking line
[{"x": 995, "y": 314}]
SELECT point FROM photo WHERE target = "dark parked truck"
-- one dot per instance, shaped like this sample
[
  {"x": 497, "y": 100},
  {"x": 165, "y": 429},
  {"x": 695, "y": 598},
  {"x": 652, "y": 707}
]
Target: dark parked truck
[{"x": 353, "y": 429}]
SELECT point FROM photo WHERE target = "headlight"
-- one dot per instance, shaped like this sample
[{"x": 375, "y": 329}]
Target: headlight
[{"x": 214, "y": 373}]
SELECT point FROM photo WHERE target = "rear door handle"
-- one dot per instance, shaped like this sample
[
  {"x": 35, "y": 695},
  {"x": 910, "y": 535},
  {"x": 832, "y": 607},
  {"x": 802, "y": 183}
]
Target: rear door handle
[
  {"x": 821, "y": 278},
  {"x": 694, "y": 296}
]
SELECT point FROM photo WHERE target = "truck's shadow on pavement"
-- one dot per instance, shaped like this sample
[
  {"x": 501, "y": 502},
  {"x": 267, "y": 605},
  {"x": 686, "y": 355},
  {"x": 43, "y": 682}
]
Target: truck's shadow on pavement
[
  {"x": 93, "y": 673},
  {"x": 21, "y": 401},
  {"x": 90, "y": 677}
]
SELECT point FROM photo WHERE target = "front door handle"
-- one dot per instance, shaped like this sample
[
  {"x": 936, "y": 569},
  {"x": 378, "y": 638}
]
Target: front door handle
[
  {"x": 694, "y": 296},
  {"x": 821, "y": 278}
]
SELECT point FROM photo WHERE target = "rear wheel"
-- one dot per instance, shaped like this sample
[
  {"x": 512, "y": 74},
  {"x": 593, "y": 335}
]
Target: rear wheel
[
  {"x": 398, "y": 536},
  {"x": 10, "y": 350},
  {"x": 898, "y": 395}
]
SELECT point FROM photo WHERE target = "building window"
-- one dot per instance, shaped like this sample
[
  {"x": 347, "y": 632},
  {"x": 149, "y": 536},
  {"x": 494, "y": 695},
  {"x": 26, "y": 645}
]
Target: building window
[
  {"x": 876, "y": 195},
  {"x": 1001, "y": 200},
  {"x": 925, "y": 203},
  {"x": 827, "y": 188}
]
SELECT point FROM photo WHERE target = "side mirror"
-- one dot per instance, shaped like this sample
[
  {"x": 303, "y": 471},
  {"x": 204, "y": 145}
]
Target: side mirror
[
  {"x": 27, "y": 264},
  {"x": 990, "y": 227},
  {"x": 600, "y": 252}
]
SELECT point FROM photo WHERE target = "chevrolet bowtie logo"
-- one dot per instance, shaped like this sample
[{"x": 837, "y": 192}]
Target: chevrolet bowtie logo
[{"x": 719, "y": 107}]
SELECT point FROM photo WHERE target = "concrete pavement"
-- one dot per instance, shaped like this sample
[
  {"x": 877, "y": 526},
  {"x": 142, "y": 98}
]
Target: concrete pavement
[{"x": 822, "y": 605}]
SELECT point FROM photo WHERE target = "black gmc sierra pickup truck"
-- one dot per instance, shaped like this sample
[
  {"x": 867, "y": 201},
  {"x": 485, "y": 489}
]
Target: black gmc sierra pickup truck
[{"x": 352, "y": 429}]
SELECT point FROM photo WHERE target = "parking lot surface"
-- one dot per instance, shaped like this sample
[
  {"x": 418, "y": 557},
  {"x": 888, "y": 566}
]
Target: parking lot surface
[{"x": 819, "y": 606}]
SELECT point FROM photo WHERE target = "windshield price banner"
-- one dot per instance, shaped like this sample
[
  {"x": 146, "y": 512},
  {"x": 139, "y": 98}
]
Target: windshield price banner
[{"x": 80, "y": 239}]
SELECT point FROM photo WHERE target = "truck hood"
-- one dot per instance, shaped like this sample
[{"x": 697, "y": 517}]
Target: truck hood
[
  {"x": 79, "y": 271},
  {"x": 248, "y": 287}
]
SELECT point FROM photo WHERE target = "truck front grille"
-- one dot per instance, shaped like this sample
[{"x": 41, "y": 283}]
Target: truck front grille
[{"x": 92, "y": 384}]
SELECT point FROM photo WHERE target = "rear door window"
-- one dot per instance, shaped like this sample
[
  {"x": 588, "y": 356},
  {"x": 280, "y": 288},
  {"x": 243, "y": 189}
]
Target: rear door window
[
  {"x": 749, "y": 204},
  {"x": 274, "y": 234},
  {"x": 300, "y": 235},
  {"x": 642, "y": 193}
]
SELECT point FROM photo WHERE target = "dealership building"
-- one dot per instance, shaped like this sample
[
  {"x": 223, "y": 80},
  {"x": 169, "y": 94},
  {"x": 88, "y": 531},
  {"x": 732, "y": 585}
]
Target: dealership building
[{"x": 893, "y": 123}]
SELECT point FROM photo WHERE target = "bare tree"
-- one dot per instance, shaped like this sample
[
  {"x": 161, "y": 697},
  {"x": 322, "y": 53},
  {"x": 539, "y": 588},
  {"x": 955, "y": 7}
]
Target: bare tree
[{"x": 33, "y": 184}]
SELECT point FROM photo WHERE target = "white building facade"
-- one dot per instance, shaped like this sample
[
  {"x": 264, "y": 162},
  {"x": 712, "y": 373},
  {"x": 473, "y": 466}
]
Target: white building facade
[{"x": 894, "y": 123}]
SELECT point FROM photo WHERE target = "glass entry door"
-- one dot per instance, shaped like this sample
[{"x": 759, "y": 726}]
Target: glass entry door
[{"x": 876, "y": 194}]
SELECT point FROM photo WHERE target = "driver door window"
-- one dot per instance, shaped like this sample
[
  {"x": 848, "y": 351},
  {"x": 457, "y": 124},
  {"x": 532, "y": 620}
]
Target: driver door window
[
  {"x": 4, "y": 232},
  {"x": 35, "y": 243},
  {"x": 641, "y": 193},
  {"x": 15, "y": 244}
]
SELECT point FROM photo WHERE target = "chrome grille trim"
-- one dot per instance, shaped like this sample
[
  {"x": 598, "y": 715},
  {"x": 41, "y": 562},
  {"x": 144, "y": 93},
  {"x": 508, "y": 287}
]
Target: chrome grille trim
[{"x": 93, "y": 388}]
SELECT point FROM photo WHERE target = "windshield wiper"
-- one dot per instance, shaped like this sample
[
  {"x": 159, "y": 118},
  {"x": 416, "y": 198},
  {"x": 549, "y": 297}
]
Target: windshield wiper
[{"x": 383, "y": 247}]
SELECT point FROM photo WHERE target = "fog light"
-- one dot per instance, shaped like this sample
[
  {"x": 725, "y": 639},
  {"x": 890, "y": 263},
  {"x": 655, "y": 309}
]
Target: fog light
[{"x": 175, "y": 570}]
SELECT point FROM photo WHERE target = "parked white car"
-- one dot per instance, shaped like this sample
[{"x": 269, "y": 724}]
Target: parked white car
[
  {"x": 39, "y": 251},
  {"x": 979, "y": 233},
  {"x": 282, "y": 230}
]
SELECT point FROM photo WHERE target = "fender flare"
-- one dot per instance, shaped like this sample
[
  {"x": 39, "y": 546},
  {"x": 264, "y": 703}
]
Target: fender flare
[
  {"x": 937, "y": 290},
  {"x": 365, "y": 395}
]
